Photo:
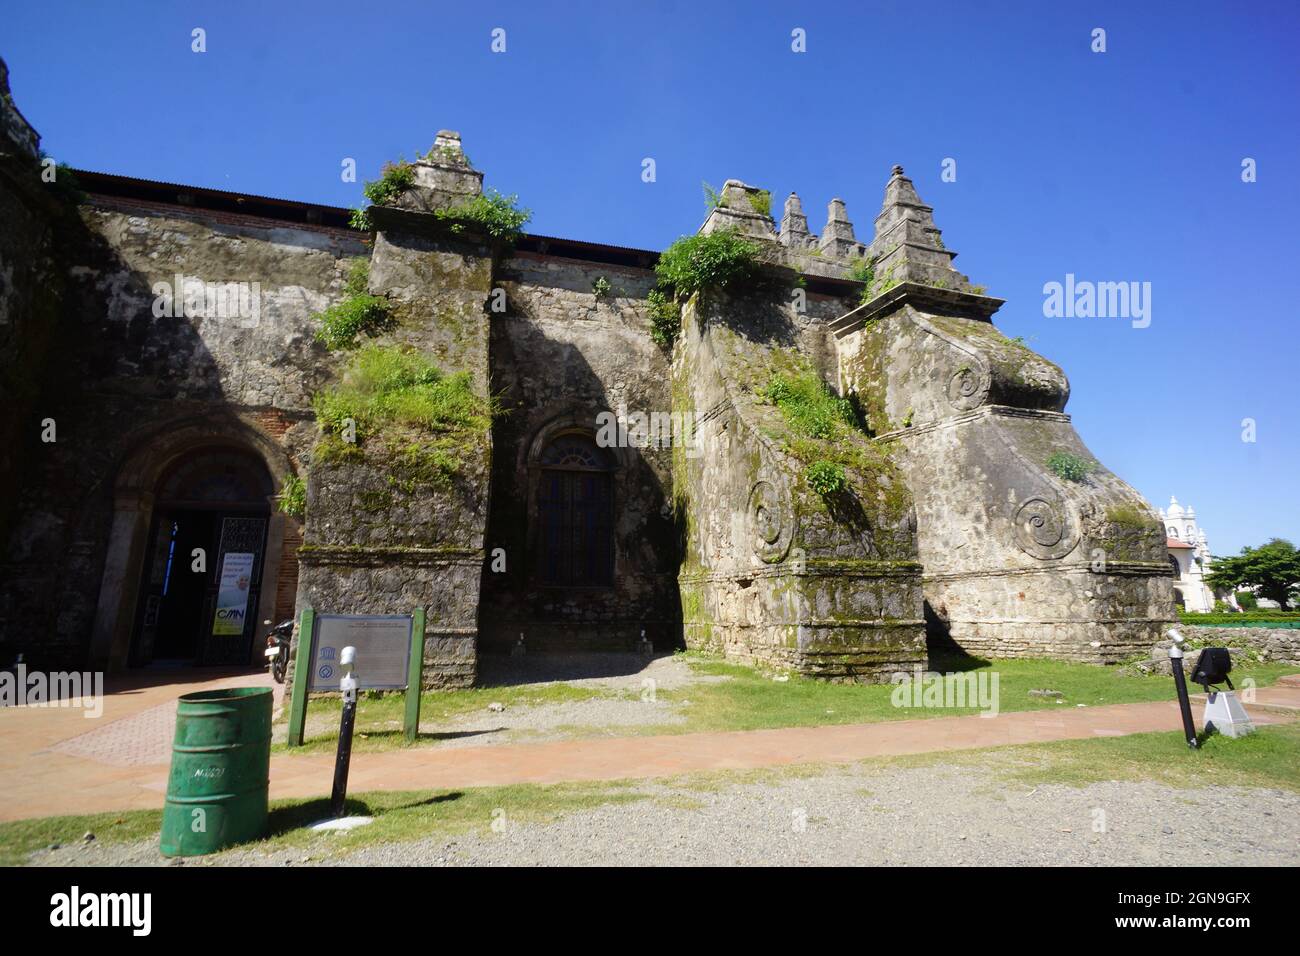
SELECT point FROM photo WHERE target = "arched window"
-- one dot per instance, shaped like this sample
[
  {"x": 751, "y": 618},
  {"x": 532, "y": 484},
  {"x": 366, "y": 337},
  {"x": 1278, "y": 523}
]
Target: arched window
[
  {"x": 575, "y": 510},
  {"x": 1178, "y": 571}
]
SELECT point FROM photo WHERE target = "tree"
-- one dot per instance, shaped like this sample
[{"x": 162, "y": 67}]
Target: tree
[{"x": 1273, "y": 569}]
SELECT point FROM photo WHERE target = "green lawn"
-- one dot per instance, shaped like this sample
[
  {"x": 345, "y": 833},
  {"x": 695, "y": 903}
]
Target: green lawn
[
  {"x": 751, "y": 700},
  {"x": 399, "y": 816},
  {"x": 1268, "y": 758}
]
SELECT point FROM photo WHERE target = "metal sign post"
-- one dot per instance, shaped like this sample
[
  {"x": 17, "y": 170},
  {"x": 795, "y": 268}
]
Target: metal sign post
[
  {"x": 1180, "y": 685},
  {"x": 348, "y": 684}
]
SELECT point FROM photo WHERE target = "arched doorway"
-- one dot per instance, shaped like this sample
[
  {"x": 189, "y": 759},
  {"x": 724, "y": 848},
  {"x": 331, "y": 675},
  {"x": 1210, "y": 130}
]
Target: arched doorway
[
  {"x": 575, "y": 514},
  {"x": 205, "y": 558},
  {"x": 172, "y": 467}
]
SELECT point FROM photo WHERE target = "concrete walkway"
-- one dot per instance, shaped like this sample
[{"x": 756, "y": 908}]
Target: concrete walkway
[{"x": 51, "y": 765}]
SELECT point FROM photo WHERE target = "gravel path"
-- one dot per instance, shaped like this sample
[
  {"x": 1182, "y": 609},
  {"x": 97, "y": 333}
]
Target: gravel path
[
  {"x": 947, "y": 814},
  {"x": 622, "y": 686}
]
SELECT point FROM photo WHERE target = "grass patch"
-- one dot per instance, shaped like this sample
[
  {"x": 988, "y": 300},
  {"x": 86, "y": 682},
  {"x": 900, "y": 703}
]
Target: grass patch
[
  {"x": 21, "y": 837},
  {"x": 1270, "y": 758},
  {"x": 400, "y": 385},
  {"x": 400, "y": 816},
  {"x": 751, "y": 700}
]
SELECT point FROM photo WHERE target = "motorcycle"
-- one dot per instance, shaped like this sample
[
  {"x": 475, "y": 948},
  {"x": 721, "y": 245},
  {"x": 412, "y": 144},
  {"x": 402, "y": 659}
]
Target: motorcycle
[{"x": 277, "y": 648}]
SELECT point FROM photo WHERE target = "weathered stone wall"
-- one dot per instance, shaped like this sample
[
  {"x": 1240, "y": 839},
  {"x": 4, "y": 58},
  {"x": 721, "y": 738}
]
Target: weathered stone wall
[
  {"x": 383, "y": 535},
  {"x": 130, "y": 390},
  {"x": 1019, "y": 561},
  {"x": 31, "y": 287},
  {"x": 561, "y": 355},
  {"x": 1277, "y": 644},
  {"x": 774, "y": 573}
]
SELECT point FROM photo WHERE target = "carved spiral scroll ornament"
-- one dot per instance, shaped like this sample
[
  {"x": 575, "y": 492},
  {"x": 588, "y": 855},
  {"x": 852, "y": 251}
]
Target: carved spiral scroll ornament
[
  {"x": 1044, "y": 529},
  {"x": 769, "y": 521},
  {"x": 967, "y": 388}
]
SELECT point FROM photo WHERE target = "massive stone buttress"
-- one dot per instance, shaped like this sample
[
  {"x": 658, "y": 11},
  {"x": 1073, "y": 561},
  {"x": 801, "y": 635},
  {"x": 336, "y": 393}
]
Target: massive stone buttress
[
  {"x": 380, "y": 537},
  {"x": 773, "y": 573},
  {"x": 1018, "y": 560}
]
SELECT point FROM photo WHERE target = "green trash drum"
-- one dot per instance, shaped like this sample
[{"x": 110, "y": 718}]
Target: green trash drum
[{"x": 221, "y": 763}]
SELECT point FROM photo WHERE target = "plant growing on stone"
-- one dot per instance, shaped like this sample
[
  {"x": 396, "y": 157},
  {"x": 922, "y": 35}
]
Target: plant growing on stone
[
  {"x": 760, "y": 202},
  {"x": 718, "y": 260},
  {"x": 712, "y": 198},
  {"x": 398, "y": 385},
  {"x": 827, "y": 478},
  {"x": 694, "y": 264},
  {"x": 601, "y": 288},
  {"x": 293, "y": 496},
  {"x": 395, "y": 179},
  {"x": 360, "y": 313},
  {"x": 65, "y": 182},
  {"x": 863, "y": 270},
  {"x": 665, "y": 318},
  {"x": 809, "y": 405},
  {"x": 1070, "y": 467},
  {"x": 449, "y": 155},
  {"x": 492, "y": 213}
]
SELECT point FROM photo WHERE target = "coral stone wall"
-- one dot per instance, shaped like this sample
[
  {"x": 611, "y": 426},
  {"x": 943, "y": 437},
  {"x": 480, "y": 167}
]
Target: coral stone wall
[
  {"x": 774, "y": 573},
  {"x": 562, "y": 355},
  {"x": 1019, "y": 561},
  {"x": 121, "y": 380}
]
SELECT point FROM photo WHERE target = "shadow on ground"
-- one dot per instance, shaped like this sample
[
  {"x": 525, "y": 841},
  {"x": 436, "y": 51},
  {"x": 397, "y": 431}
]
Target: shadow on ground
[{"x": 504, "y": 670}]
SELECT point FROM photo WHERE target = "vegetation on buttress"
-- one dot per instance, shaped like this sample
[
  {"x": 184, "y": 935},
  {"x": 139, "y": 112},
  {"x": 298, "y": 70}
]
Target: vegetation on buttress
[
  {"x": 360, "y": 313},
  {"x": 716, "y": 261}
]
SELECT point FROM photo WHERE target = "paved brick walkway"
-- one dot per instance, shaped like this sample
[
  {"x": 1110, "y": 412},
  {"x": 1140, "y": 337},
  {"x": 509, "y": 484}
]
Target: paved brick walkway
[{"x": 49, "y": 764}]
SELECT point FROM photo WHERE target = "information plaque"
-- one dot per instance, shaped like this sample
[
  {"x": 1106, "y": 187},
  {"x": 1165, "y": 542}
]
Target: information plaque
[
  {"x": 383, "y": 643},
  {"x": 389, "y": 656}
]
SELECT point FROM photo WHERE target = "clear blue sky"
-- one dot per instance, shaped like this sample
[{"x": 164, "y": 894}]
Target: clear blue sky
[{"x": 1117, "y": 166}]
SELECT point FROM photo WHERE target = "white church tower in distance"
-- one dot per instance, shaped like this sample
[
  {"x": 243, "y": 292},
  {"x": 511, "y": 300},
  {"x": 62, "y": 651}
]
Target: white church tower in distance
[{"x": 1189, "y": 554}]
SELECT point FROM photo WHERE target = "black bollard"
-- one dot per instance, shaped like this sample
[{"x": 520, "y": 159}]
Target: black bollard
[
  {"x": 347, "y": 684},
  {"x": 1180, "y": 684}
]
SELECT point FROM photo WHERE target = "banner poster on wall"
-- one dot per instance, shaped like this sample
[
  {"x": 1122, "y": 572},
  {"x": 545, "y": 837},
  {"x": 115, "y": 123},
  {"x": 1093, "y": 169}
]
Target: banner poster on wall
[{"x": 232, "y": 594}]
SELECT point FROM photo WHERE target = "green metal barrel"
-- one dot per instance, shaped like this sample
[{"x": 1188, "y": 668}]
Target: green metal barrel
[{"x": 221, "y": 764}]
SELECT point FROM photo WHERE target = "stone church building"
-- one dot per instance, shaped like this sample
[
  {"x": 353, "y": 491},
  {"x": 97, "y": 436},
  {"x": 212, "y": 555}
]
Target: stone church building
[{"x": 137, "y": 430}]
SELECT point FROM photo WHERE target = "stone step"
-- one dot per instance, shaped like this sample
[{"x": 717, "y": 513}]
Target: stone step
[{"x": 1288, "y": 680}]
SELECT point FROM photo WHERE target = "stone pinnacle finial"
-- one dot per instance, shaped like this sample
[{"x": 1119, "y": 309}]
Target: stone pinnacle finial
[
  {"x": 447, "y": 150},
  {"x": 443, "y": 176},
  {"x": 742, "y": 207},
  {"x": 837, "y": 238},
  {"x": 794, "y": 225},
  {"x": 908, "y": 247}
]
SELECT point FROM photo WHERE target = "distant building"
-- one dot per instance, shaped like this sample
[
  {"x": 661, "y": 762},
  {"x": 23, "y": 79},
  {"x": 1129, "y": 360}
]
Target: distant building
[{"x": 1189, "y": 554}]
